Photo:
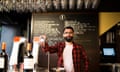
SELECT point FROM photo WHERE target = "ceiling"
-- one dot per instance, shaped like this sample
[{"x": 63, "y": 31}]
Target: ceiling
[
  {"x": 59, "y": 5},
  {"x": 48, "y": 5},
  {"x": 13, "y": 15},
  {"x": 109, "y": 5}
]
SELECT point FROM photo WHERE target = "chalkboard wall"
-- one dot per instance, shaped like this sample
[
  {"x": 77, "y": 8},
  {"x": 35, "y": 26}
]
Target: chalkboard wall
[{"x": 86, "y": 33}]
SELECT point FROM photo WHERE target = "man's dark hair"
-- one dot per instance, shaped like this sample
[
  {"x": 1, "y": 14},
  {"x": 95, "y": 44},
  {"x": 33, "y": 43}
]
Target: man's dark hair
[{"x": 68, "y": 27}]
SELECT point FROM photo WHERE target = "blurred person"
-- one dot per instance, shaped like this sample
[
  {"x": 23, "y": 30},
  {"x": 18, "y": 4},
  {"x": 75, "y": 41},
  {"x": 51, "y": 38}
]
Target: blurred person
[{"x": 71, "y": 56}]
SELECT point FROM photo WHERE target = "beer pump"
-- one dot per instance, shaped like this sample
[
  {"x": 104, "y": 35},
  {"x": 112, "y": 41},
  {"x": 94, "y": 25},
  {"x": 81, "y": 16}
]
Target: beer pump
[{"x": 15, "y": 50}]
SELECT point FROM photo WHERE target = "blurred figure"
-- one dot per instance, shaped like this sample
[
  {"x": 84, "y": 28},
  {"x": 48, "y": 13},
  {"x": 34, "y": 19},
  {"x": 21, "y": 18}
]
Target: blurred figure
[{"x": 71, "y": 56}]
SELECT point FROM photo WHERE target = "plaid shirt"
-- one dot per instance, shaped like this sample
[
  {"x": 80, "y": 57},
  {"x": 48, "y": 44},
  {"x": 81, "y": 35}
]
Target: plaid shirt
[{"x": 80, "y": 60}]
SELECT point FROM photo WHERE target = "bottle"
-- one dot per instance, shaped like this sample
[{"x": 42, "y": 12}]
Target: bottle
[
  {"x": 3, "y": 58},
  {"x": 28, "y": 59}
]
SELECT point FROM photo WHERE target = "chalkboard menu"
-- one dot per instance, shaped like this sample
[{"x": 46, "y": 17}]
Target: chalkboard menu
[
  {"x": 52, "y": 26},
  {"x": 85, "y": 26},
  {"x": 49, "y": 25}
]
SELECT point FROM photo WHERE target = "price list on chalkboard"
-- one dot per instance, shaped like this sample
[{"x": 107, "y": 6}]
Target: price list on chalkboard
[
  {"x": 49, "y": 25},
  {"x": 85, "y": 26},
  {"x": 81, "y": 30}
]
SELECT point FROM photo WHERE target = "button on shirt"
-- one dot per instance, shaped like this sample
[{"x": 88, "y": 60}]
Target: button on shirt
[{"x": 67, "y": 58}]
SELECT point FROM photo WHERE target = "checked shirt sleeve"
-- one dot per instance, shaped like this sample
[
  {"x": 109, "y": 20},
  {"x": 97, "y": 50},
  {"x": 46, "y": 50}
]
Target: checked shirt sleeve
[{"x": 51, "y": 49}]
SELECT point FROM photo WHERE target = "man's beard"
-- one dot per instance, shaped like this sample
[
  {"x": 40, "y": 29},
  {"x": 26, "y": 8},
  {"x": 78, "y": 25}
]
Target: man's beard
[{"x": 68, "y": 39}]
